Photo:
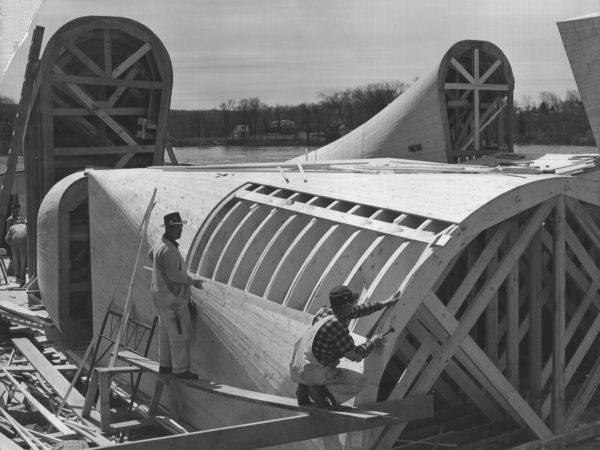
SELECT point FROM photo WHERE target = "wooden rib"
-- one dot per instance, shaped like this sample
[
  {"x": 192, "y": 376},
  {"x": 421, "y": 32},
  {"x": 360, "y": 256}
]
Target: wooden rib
[
  {"x": 292, "y": 258},
  {"x": 210, "y": 255},
  {"x": 240, "y": 235},
  {"x": 255, "y": 245},
  {"x": 339, "y": 266},
  {"x": 131, "y": 60},
  {"x": 490, "y": 71},
  {"x": 480, "y": 302},
  {"x": 85, "y": 59},
  {"x": 395, "y": 267},
  {"x": 340, "y": 217},
  {"x": 314, "y": 264},
  {"x": 273, "y": 252},
  {"x": 462, "y": 70},
  {"x": 558, "y": 348}
]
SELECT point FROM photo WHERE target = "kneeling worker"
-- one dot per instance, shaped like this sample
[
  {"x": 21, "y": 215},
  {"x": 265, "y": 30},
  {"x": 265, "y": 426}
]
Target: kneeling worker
[{"x": 318, "y": 351}]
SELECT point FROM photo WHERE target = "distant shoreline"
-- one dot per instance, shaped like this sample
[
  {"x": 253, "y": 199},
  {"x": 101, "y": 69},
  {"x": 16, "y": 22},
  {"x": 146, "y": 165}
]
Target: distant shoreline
[{"x": 253, "y": 141}]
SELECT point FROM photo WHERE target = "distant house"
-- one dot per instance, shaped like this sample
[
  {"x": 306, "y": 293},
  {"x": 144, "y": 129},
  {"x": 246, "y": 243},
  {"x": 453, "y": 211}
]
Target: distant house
[
  {"x": 283, "y": 126},
  {"x": 241, "y": 131}
]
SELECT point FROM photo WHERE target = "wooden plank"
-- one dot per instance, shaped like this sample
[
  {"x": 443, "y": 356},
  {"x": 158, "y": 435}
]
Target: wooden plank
[
  {"x": 477, "y": 86},
  {"x": 131, "y": 60},
  {"x": 112, "y": 111},
  {"x": 106, "y": 41},
  {"x": 535, "y": 323},
  {"x": 102, "y": 150},
  {"x": 54, "y": 378},
  {"x": 559, "y": 319},
  {"x": 29, "y": 368},
  {"x": 341, "y": 217},
  {"x": 8, "y": 444},
  {"x": 252, "y": 396},
  {"x": 491, "y": 312},
  {"x": 257, "y": 434},
  {"x": 51, "y": 418},
  {"x": 60, "y": 77}
]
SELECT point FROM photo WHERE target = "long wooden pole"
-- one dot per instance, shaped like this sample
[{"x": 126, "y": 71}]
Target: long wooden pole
[{"x": 127, "y": 306}]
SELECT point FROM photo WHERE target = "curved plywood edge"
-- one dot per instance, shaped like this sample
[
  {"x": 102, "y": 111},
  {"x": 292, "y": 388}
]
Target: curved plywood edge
[
  {"x": 580, "y": 38},
  {"x": 442, "y": 116},
  {"x": 52, "y": 263},
  {"x": 251, "y": 315}
]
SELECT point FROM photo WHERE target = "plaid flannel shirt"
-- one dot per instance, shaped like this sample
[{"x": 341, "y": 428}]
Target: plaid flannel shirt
[{"x": 333, "y": 339}]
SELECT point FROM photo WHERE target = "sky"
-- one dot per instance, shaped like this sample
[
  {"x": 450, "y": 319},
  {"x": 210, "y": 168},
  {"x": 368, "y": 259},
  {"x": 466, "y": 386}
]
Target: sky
[{"x": 287, "y": 52}]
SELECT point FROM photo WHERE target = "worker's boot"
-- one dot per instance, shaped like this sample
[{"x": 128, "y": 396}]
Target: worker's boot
[
  {"x": 320, "y": 394},
  {"x": 302, "y": 395}
]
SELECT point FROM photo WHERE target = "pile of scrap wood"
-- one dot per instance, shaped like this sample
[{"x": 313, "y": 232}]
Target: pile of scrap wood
[{"x": 16, "y": 314}]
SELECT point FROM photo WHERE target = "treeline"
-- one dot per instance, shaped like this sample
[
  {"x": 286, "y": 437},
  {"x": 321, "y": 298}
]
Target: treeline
[
  {"x": 552, "y": 120},
  {"x": 334, "y": 114},
  {"x": 549, "y": 120}
]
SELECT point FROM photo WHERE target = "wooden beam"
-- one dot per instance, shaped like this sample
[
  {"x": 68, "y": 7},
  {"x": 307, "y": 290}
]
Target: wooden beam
[
  {"x": 106, "y": 40},
  {"x": 490, "y": 71},
  {"x": 112, "y": 111},
  {"x": 464, "y": 72},
  {"x": 512, "y": 318},
  {"x": 477, "y": 86},
  {"x": 103, "y": 81},
  {"x": 103, "y": 150},
  {"x": 478, "y": 305},
  {"x": 535, "y": 323},
  {"x": 81, "y": 56},
  {"x": 559, "y": 345},
  {"x": 131, "y": 60}
]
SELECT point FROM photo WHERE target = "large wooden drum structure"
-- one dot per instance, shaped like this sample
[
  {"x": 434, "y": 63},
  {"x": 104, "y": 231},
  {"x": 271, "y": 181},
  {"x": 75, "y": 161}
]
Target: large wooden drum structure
[
  {"x": 497, "y": 273},
  {"x": 102, "y": 92}
]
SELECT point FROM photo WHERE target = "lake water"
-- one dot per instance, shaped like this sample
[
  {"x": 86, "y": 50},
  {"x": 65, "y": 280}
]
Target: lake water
[{"x": 241, "y": 155}]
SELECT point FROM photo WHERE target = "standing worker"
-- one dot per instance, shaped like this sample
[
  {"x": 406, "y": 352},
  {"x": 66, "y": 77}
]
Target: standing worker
[
  {"x": 171, "y": 291},
  {"x": 16, "y": 237},
  {"x": 318, "y": 351},
  {"x": 14, "y": 217}
]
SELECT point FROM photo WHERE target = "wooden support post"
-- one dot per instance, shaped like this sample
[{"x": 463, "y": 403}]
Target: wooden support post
[
  {"x": 558, "y": 351},
  {"x": 512, "y": 318},
  {"x": 535, "y": 323},
  {"x": 491, "y": 313},
  {"x": 104, "y": 400}
]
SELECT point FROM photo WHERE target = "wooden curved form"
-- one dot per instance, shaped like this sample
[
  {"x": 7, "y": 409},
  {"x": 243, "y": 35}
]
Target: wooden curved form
[
  {"x": 580, "y": 38},
  {"x": 101, "y": 98},
  {"x": 497, "y": 275},
  {"x": 460, "y": 110},
  {"x": 63, "y": 256}
]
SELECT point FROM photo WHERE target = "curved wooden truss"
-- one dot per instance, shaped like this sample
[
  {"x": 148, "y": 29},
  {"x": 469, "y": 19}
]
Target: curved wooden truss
[
  {"x": 478, "y": 95},
  {"x": 512, "y": 325}
]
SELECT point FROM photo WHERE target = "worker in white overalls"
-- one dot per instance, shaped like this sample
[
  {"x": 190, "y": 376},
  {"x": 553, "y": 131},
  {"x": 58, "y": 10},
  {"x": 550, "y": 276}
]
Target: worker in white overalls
[
  {"x": 171, "y": 291},
  {"x": 318, "y": 351}
]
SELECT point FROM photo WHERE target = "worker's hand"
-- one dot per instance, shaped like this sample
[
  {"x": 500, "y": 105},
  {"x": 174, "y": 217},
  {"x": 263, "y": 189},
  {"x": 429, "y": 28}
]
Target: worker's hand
[
  {"x": 197, "y": 283},
  {"x": 192, "y": 308},
  {"x": 391, "y": 301},
  {"x": 377, "y": 340}
]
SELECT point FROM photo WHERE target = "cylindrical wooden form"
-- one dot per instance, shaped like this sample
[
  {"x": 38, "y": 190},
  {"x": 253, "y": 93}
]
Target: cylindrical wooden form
[{"x": 461, "y": 249}]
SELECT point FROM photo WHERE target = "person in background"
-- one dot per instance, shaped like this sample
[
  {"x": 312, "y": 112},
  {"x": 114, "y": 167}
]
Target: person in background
[
  {"x": 317, "y": 353},
  {"x": 14, "y": 217},
  {"x": 16, "y": 237},
  {"x": 171, "y": 291}
]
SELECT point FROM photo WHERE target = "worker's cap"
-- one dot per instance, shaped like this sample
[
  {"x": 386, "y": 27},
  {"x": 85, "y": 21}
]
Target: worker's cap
[
  {"x": 341, "y": 295},
  {"x": 172, "y": 219}
]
